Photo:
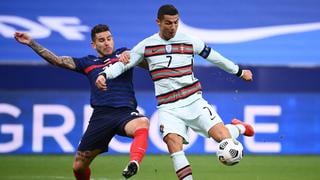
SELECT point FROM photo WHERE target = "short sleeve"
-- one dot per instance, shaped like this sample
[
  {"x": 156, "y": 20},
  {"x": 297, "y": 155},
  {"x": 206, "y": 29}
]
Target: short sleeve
[
  {"x": 80, "y": 63},
  {"x": 121, "y": 50}
]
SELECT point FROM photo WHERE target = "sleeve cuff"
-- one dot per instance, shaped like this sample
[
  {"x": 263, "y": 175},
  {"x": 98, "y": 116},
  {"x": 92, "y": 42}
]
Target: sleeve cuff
[
  {"x": 103, "y": 74},
  {"x": 240, "y": 72}
]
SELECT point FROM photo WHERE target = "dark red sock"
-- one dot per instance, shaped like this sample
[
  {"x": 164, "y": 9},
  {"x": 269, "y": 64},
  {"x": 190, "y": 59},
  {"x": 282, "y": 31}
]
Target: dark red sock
[
  {"x": 139, "y": 144},
  {"x": 82, "y": 175}
]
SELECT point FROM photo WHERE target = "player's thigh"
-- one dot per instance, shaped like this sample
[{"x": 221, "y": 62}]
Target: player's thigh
[
  {"x": 98, "y": 134},
  {"x": 171, "y": 123},
  {"x": 208, "y": 118}
]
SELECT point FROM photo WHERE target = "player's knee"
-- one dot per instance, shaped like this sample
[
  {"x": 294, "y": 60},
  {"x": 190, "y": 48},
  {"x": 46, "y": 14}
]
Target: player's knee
[
  {"x": 173, "y": 141},
  {"x": 79, "y": 166},
  {"x": 143, "y": 122},
  {"x": 219, "y": 132},
  {"x": 82, "y": 159},
  {"x": 139, "y": 123}
]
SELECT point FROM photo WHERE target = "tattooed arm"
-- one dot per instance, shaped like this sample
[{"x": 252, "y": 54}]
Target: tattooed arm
[{"x": 60, "y": 61}]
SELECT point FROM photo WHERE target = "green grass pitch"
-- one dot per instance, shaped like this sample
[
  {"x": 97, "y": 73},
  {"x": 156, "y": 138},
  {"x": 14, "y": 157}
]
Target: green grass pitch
[{"x": 159, "y": 167}]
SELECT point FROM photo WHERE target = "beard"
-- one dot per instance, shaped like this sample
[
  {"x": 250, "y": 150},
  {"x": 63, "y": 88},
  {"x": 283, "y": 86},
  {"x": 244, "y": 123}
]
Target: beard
[
  {"x": 168, "y": 35},
  {"x": 105, "y": 51}
]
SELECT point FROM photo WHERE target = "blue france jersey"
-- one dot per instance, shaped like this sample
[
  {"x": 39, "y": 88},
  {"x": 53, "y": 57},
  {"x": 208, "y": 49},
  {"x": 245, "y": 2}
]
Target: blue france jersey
[{"x": 119, "y": 92}]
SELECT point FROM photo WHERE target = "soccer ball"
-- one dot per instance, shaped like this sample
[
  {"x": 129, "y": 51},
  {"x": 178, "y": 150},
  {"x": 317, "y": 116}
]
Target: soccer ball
[{"x": 230, "y": 152}]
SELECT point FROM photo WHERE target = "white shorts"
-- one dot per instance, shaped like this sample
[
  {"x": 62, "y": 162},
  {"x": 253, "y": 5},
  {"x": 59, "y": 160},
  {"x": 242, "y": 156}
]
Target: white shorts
[{"x": 199, "y": 116}]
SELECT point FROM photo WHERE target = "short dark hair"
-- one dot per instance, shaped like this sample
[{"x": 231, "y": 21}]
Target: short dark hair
[
  {"x": 167, "y": 9},
  {"x": 98, "y": 29}
]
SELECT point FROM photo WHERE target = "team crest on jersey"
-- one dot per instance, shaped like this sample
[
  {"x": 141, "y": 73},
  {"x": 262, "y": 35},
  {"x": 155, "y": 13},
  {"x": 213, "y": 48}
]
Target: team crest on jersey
[{"x": 168, "y": 48}]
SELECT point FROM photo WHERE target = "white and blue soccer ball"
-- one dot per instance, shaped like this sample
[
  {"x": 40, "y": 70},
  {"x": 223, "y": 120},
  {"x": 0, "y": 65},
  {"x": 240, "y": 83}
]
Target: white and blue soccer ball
[{"x": 230, "y": 152}]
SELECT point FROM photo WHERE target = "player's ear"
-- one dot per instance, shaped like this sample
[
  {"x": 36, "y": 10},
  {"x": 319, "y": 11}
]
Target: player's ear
[
  {"x": 158, "y": 21},
  {"x": 93, "y": 45}
]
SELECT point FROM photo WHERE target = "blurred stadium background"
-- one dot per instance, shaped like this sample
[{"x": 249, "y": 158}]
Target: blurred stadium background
[{"x": 44, "y": 110}]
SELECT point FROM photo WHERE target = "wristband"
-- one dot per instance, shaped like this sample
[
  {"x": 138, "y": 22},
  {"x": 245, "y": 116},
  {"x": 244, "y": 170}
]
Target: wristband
[
  {"x": 239, "y": 73},
  {"x": 103, "y": 74}
]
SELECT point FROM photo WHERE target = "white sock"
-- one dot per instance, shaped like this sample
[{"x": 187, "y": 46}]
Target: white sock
[
  {"x": 181, "y": 166},
  {"x": 235, "y": 130},
  {"x": 241, "y": 128}
]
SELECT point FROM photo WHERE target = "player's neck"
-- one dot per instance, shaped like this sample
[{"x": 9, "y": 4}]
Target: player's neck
[{"x": 162, "y": 37}]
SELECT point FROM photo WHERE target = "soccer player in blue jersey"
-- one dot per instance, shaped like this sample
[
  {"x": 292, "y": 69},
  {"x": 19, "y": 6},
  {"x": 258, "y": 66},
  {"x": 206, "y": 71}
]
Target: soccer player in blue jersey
[
  {"x": 181, "y": 106},
  {"x": 114, "y": 111}
]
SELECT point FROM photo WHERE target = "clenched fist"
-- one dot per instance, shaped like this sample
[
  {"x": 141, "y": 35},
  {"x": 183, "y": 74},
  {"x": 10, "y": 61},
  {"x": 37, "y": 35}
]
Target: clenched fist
[
  {"x": 247, "y": 75},
  {"x": 23, "y": 38},
  {"x": 101, "y": 82}
]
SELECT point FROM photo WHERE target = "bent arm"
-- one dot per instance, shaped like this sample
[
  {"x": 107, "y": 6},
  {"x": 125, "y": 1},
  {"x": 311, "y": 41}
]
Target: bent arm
[{"x": 118, "y": 68}]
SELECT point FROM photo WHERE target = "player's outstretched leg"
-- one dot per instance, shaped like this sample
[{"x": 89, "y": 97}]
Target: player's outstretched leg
[
  {"x": 245, "y": 129},
  {"x": 131, "y": 169},
  {"x": 137, "y": 151}
]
